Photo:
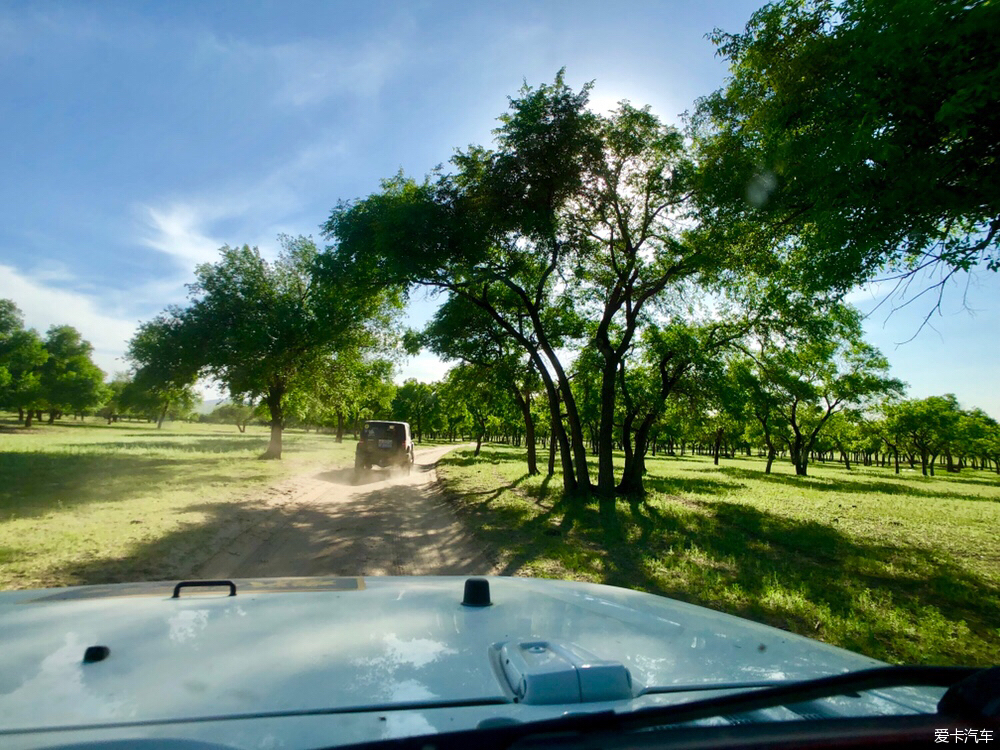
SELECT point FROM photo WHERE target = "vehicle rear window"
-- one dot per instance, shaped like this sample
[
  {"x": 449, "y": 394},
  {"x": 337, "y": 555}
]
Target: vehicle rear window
[{"x": 379, "y": 430}]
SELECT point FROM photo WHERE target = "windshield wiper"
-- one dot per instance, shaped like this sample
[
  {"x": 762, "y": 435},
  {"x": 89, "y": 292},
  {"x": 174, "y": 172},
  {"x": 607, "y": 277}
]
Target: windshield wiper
[
  {"x": 973, "y": 693},
  {"x": 802, "y": 692}
]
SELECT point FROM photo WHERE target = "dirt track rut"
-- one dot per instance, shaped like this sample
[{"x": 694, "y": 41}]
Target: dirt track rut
[{"x": 390, "y": 523}]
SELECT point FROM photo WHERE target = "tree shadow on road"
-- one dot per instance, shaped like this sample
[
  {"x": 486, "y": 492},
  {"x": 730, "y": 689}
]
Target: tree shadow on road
[{"x": 392, "y": 530}]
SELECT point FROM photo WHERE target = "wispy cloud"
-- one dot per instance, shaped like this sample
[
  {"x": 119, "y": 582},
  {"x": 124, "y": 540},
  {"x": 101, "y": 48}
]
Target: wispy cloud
[
  {"x": 179, "y": 231},
  {"x": 313, "y": 72},
  {"x": 189, "y": 229}
]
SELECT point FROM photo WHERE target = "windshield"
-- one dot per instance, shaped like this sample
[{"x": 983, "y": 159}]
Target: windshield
[{"x": 672, "y": 323}]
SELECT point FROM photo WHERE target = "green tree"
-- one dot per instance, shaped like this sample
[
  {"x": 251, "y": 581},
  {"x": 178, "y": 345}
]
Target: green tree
[
  {"x": 264, "y": 329},
  {"x": 857, "y": 135},
  {"x": 763, "y": 404},
  {"x": 155, "y": 400},
  {"x": 415, "y": 402},
  {"x": 462, "y": 331},
  {"x": 482, "y": 394},
  {"x": 235, "y": 413},
  {"x": 70, "y": 381},
  {"x": 977, "y": 432},
  {"x": 22, "y": 355},
  {"x": 165, "y": 360},
  {"x": 492, "y": 234},
  {"x": 929, "y": 426},
  {"x": 11, "y": 321},
  {"x": 828, "y": 370},
  {"x": 115, "y": 404}
]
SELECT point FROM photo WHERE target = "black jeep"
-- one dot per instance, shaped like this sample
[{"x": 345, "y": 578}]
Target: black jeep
[{"x": 384, "y": 444}]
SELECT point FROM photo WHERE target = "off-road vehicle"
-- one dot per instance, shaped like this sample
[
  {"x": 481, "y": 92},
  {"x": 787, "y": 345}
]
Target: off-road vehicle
[{"x": 384, "y": 444}]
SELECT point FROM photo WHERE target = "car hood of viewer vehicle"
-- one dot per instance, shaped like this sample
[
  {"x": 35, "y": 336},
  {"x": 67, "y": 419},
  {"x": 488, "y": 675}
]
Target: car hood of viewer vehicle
[{"x": 312, "y": 662}]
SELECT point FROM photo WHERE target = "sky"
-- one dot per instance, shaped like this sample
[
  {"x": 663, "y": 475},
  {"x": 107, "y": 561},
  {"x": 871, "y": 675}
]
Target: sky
[{"x": 140, "y": 137}]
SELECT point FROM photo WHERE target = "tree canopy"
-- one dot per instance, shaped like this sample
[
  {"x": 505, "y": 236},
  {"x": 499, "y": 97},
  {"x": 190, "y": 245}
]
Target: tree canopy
[
  {"x": 54, "y": 374},
  {"x": 263, "y": 329},
  {"x": 857, "y": 136},
  {"x": 566, "y": 232}
]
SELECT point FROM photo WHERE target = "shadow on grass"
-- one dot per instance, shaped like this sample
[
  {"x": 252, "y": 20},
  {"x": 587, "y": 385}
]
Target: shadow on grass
[
  {"x": 185, "y": 444},
  {"x": 693, "y": 485},
  {"x": 894, "y": 602},
  {"x": 765, "y": 554},
  {"x": 487, "y": 455},
  {"x": 830, "y": 484},
  {"x": 33, "y": 484}
]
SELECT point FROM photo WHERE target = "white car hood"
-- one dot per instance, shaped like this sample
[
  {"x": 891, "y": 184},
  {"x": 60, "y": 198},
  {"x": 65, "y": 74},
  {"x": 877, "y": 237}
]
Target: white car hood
[{"x": 287, "y": 647}]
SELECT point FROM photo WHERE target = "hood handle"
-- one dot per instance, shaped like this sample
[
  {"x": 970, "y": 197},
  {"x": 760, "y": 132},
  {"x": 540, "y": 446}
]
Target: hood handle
[{"x": 203, "y": 584}]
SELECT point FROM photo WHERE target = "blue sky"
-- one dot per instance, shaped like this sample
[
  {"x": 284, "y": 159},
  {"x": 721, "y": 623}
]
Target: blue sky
[{"x": 140, "y": 137}]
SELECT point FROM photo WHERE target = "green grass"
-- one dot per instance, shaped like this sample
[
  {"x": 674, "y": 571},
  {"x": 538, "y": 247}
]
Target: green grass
[
  {"x": 904, "y": 569},
  {"x": 87, "y": 502}
]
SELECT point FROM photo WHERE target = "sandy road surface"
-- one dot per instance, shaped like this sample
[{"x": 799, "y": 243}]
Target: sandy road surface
[{"x": 390, "y": 523}]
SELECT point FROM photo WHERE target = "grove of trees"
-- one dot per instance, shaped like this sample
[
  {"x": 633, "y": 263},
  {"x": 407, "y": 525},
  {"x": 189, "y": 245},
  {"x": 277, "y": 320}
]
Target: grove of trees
[
  {"x": 52, "y": 375},
  {"x": 611, "y": 282}
]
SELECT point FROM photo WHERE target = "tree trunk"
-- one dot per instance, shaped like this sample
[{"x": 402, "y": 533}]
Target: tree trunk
[
  {"x": 843, "y": 454},
  {"x": 800, "y": 456},
  {"x": 529, "y": 429},
  {"x": 631, "y": 483},
  {"x": 274, "y": 396},
  {"x": 28, "y": 418},
  {"x": 163, "y": 414},
  {"x": 558, "y": 432},
  {"x": 340, "y": 427},
  {"x": 552, "y": 450},
  {"x": 605, "y": 435},
  {"x": 52, "y": 416},
  {"x": 770, "y": 459},
  {"x": 577, "y": 444},
  {"x": 718, "y": 443},
  {"x": 479, "y": 436}
]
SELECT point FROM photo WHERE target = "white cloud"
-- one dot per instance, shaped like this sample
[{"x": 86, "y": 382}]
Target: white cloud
[
  {"x": 45, "y": 303},
  {"x": 179, "y": 232}
]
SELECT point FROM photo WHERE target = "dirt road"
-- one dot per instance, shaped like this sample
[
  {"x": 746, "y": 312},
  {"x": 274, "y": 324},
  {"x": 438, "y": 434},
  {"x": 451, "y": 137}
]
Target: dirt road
[{"x": 390, "y": 523}]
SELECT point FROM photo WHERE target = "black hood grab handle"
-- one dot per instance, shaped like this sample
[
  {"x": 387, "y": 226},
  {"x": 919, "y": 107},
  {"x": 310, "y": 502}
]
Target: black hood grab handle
[{"x": 203, "y": 584}]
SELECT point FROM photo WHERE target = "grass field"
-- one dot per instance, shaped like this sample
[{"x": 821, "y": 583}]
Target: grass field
[
  {"x": 904, "y": 569},
  {"x": 87, "y": 502}
]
